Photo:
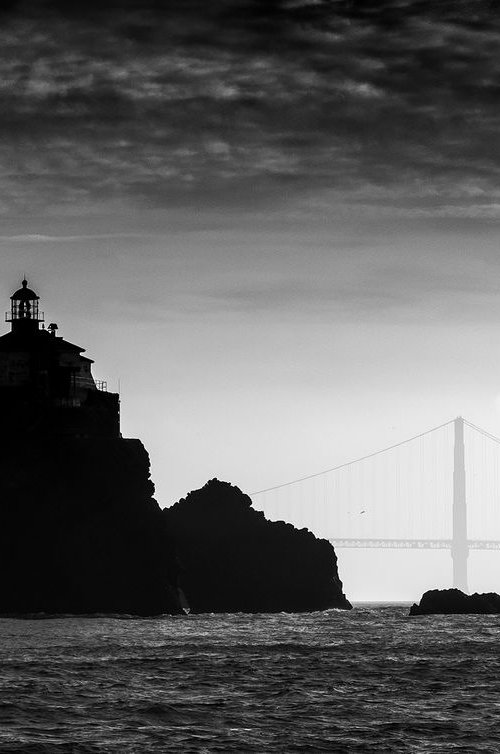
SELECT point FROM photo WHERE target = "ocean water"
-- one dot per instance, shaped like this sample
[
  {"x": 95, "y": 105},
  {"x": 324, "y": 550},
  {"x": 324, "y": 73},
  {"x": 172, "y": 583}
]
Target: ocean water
[{"x": 371, "y": 679}]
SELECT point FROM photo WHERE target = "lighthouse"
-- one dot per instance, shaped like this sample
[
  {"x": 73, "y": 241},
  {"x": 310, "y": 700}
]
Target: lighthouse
[
  {"x": 46, "y": 383},
  {"x": 80, "y": 531}
]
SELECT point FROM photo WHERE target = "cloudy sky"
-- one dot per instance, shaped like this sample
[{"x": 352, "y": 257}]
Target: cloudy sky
[{"x": 275, "y": 223}]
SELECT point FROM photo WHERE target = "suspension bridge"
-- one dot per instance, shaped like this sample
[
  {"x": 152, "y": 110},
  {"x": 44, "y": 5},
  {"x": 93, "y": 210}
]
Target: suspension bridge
[{"x": 439, "y": 489}]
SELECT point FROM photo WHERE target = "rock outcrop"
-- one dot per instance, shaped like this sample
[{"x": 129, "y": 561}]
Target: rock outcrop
[
  {"x": 234, "y": 560},
  {"x": 80, "y": 531},
  {"x": 454, "y": 601}
]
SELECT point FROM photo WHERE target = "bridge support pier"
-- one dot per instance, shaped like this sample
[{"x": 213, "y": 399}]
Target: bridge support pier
[{"x": 459, "y": 546}]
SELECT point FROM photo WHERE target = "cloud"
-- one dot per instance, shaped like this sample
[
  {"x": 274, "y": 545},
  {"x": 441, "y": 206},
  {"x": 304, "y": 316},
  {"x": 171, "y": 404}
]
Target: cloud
[
  {"x": 248, "y": 102},
  {"x": 39, "y": 238},
  {"x": 388, "y": 284}
]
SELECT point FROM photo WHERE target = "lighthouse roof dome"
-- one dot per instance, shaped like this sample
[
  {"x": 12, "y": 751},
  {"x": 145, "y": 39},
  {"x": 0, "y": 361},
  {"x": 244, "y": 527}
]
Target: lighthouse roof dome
[{"x": 24, "y": 293}]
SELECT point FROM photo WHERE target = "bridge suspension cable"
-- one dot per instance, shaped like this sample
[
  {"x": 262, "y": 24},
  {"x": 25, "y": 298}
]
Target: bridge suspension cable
[
  {"x": 482, "y": 431},
  {"x": 358, "y": 460}
]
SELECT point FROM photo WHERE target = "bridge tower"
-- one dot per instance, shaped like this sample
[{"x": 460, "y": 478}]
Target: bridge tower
[{"x": 459, "y": 546}]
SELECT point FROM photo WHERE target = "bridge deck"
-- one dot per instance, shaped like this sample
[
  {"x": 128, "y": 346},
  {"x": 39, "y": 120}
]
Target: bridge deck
[{"x": 414, "y": 544}]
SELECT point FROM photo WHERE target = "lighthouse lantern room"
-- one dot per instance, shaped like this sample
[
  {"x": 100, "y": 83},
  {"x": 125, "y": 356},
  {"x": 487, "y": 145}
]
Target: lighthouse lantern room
[{"x": 24, "y": 311}]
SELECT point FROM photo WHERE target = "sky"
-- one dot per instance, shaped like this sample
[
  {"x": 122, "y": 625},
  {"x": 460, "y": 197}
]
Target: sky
[{"x": 274, "y": 225}]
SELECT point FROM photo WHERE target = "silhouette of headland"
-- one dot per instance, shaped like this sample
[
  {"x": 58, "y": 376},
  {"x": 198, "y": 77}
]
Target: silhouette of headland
[
  {"x": 232, "y": 559},
  {"x": 454, "y": 601},
  {"x": 80, "y": 530}
]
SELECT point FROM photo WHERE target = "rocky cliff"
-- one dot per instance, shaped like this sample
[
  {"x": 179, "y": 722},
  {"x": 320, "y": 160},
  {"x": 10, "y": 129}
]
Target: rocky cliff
[
  {"x": 80, "y": 531},
  {"x": 233, "y": 560}
]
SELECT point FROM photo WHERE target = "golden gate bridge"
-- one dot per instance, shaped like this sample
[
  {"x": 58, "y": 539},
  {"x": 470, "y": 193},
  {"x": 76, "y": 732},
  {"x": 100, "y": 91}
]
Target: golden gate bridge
[{"x": 439, "y": 489}]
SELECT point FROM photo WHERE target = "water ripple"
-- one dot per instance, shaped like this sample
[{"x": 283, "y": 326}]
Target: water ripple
[{"x": 367, "y": 680}]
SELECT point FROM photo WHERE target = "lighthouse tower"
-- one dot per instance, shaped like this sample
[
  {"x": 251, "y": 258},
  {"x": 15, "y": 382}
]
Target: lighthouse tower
[{"x": 46, "y": 383}]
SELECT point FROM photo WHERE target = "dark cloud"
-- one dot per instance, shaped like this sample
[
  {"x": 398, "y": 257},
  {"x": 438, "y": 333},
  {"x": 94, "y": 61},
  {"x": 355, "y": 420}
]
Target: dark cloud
[{"x": 166, "y": 103}]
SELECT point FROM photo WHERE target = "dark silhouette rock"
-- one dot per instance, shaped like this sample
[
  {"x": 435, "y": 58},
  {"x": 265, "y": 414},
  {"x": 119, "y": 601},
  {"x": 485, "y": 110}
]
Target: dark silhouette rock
[
  {"x": 453, "y": 601},
  {"x": 80, "y": 531},
  {"x": 234, "y": 560}
]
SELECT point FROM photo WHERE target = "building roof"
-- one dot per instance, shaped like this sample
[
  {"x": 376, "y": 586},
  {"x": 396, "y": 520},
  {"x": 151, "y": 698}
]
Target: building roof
[{"x": 40, "y": 340}]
